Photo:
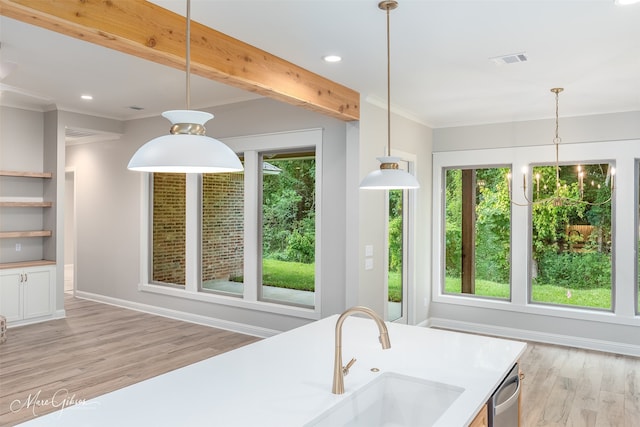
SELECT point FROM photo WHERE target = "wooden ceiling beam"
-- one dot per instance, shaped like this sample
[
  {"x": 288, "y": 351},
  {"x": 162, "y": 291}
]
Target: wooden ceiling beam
[{"x": 145, "y": 30}]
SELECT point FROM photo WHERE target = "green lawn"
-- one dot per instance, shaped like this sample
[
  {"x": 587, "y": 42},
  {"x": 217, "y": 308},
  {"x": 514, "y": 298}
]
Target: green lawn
[
  {"x": 291, "y": 275},
  {"x": 484, "y": 288},
  {"x": 395, "y": 286},
  {"x": 295, "y": 275},
  {"x": 593, "y": 298}
]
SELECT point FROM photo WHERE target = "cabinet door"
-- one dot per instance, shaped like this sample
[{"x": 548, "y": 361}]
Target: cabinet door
[
  {"x": 481, "y": 419},
  {"x": 11, "y": 295},
  {"x": 37, "y": 293}
]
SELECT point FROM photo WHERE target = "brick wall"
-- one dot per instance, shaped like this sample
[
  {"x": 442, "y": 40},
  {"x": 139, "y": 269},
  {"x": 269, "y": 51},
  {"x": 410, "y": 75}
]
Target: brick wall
[
  {"x": 169, "y": 228},
  {"x": 222, "y": 226}
]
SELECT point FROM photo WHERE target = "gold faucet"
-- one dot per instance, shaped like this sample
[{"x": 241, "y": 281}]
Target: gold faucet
[{"x": 338, "y": 371}]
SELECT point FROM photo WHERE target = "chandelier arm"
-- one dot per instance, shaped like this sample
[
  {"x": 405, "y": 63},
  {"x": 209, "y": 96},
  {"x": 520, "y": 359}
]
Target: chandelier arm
[
  {"x": 526, "y": 197},
  {"x": 521, "y": 204},
  {"x": 559, "y": 200},
  {"x": 524, "y": 194},
  {"x": 597, "y": 204}
]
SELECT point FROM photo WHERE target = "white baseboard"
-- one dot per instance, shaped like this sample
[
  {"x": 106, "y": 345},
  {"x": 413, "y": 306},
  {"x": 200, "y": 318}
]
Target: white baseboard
[
  {"x": 58, "y": 314},
  {"x": 543, "y": 337},
  {"x": 181, "y": 315}
]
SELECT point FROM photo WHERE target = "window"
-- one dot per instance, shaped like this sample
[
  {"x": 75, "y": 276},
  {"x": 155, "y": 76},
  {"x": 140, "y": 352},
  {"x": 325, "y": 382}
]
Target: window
[
  {"x": 223, "y": 233},
  {"x": 571, "y": 242},
  {"x": 169, "y": 229},
  {"x": 571, "y": 266},
  {"x": 244, "y": 238},
  {"x": 477, "y": 232},
  {"x": 288, "y": 227}
]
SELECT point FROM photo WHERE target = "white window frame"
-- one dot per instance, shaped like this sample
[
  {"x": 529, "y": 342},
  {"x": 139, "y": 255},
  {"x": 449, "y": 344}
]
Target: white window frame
[
  {"x": 250, "y": 146},
  {"x": 409, "y": 253},
  {"x": 622, "y": 154},
  {"x": 636, "y": 203}
]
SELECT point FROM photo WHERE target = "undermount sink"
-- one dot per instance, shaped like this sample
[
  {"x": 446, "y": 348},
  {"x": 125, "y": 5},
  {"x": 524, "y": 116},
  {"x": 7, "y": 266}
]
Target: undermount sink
[{"x": 391, "y": 400}]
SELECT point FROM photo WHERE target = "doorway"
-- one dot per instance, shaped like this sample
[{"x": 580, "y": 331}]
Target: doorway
[{"x": 399, "y": 258}]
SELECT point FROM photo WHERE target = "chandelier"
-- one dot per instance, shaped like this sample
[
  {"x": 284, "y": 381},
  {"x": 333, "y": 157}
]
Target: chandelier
[{"x": 562, "y": 194}]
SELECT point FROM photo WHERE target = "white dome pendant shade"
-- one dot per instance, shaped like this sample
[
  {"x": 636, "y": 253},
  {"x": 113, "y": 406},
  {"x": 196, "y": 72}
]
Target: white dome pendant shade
[
  {"x": 389, "y": 177},
  {"x": 187, "y": 149}
]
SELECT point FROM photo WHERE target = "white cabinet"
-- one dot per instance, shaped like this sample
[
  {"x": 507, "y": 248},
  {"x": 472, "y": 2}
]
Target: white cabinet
[{"x": 27, "y": 294}]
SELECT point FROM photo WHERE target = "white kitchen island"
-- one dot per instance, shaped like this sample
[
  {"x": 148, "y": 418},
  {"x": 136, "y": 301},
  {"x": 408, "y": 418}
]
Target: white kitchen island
[{"x": 286, "y": 380}]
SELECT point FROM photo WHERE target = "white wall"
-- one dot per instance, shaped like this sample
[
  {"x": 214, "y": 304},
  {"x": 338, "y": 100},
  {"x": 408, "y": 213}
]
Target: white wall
[
  {"x": 21, "y": 149},
  {"x": 603, "y": 127},
  {"x": 21, "y": 132},
  {"x": 53, "y": 219}
]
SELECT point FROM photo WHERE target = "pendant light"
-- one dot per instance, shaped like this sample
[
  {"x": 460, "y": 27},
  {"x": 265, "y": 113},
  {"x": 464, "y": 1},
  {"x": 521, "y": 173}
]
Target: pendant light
[
  {"x": 389, "y": 176},
  {"x": 187, "y": 149}
]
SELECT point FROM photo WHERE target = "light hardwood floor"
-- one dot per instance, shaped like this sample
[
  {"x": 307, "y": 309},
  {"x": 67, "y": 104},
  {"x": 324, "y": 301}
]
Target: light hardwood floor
[
  {"x": 100, "y": 348},
  {"x": 579, "y": 388}
]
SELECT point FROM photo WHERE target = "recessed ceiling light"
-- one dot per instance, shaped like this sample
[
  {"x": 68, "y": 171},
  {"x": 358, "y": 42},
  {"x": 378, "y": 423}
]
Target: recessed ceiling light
[
  {"x": 332, "y": 58},
  {"x": 86, "y": 97}
]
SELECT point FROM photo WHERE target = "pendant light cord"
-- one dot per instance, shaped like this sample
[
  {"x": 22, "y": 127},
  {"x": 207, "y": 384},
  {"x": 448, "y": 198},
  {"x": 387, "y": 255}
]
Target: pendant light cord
[
  {"x": 388, "y": 85},
  {"x": 188, "y": 54}
]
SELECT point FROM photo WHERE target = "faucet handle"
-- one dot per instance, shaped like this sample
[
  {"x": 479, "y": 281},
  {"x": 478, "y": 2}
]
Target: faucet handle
[{"x": 345, "y": 369}]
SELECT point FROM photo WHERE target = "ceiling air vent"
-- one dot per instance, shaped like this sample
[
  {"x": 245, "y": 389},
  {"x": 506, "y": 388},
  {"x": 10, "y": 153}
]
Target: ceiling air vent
[{"x": 510, "y": 59}]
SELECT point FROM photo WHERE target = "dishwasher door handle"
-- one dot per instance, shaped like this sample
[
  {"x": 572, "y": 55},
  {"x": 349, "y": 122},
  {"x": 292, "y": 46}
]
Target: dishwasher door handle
[{"x": 507, "y": 403}]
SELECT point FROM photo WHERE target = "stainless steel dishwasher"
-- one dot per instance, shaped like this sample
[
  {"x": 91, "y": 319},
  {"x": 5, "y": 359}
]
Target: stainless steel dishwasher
[{"x": 503, "y": 405}]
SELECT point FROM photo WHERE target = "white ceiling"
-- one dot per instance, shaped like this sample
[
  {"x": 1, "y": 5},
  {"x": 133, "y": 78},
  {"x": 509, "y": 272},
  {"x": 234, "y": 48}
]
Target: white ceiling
[{"x": 440, "y": 71}]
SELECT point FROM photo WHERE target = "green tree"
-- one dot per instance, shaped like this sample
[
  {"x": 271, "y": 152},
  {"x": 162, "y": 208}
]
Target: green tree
[
  {"x": 550, "y": 219},
  {"x": 453, "y": 222},
  {"x": 557, "y": 262},
  {"x": 493, "y": 226},
  {"x": 395, "y": 230},
  {"x": 288, "y": 210}
]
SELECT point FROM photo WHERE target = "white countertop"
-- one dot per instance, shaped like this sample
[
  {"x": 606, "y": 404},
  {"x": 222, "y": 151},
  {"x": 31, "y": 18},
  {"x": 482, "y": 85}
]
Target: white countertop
[{"x": 286, "y": 380}]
